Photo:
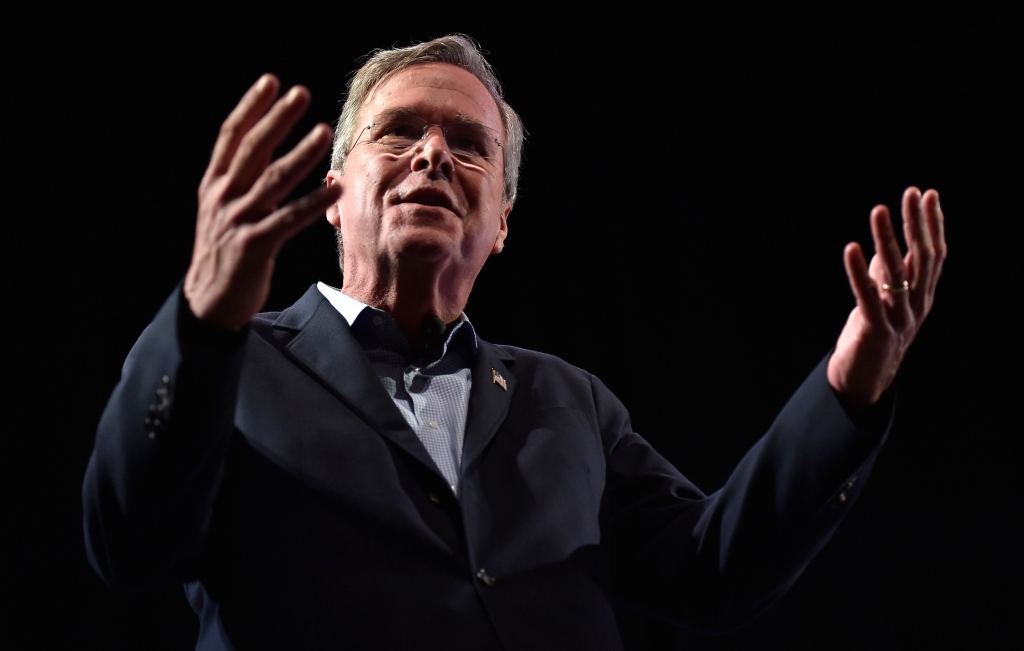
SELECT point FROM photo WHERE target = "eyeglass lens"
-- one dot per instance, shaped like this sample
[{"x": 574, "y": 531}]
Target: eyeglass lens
[{"x": 468, "y": 141}]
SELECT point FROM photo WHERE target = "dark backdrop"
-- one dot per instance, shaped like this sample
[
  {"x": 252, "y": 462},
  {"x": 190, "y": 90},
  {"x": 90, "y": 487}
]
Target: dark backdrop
[{"x": 690, "y": 181}]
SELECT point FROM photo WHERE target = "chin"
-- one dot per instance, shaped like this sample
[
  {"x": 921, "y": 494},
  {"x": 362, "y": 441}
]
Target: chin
[
  {"x": 431, "y": 246},
  {"x": 425, "y": 232}
]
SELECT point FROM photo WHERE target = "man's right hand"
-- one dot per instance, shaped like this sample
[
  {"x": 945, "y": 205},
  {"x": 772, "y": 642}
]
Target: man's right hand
[{"x": 240, "y": 228}]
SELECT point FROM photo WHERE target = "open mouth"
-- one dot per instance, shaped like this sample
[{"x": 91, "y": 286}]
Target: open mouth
[{"x": 429, "y": 197}]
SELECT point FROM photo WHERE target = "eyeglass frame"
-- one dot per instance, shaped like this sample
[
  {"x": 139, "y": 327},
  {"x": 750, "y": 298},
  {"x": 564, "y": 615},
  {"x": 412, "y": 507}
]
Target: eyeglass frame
[{"x": 426, "y": 128}]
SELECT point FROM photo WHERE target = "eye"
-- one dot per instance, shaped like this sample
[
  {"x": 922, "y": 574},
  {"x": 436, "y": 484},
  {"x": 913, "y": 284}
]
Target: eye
[
  {"x": 468, "y": 141},
  {"x": 400, "y": 131},
  {"x": 468, "y": 145}
]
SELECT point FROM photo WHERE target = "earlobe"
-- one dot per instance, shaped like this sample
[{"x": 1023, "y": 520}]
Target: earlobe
[
  {"x": 333, "y": 213},
  {"x": 499, "y": 238}
]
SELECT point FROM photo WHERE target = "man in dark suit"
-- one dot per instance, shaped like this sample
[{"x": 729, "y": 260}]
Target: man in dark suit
[{"x": 362, "y": 471}]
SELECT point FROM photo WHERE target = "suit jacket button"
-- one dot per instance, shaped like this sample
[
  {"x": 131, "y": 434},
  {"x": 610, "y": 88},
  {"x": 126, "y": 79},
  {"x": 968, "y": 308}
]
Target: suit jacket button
[
  {"x": 435, "y": 498},
  {"x": 487, "y": 579}
]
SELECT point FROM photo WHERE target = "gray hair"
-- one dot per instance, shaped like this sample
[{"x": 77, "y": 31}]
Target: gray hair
[{"x": 456, "y": 49}]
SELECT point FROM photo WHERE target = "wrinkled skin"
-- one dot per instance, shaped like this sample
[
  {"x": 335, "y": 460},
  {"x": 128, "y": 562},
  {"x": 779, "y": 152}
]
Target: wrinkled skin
[
  {"x": 885, "y": 321},
  {"x": 240, "y": 228},
  {"x": 418, "y": 226}
]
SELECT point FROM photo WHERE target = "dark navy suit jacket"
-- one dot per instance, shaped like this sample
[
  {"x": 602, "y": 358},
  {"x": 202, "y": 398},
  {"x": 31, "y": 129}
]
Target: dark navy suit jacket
[{"x": 270, "y": 471}]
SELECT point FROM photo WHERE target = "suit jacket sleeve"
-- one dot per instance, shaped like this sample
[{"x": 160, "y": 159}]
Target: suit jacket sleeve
[
  {"x": 160, "y": 449},
  {"x": 716, "y": 561}
]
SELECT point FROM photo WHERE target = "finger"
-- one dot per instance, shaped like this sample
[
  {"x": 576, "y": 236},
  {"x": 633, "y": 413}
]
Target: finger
[
  {"x": 912, "y": 230},
  {"x": 921, "y": 255},
  {"x": 253, "y": 104},
  {"x": 937, "y": 229},
  {"x": 288, "y": 171},
  {"x": 285, "y": 223},
  {"x": 257, "y": 147},
  {"x": 894, "y": 271},
  {"x": 864, "y": 288}
]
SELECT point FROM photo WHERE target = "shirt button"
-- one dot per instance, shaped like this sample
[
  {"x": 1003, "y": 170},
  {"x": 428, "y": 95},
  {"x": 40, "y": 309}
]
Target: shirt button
[
  {"x": 487, "y": 579},
  {"x": 433, "y": 424}
]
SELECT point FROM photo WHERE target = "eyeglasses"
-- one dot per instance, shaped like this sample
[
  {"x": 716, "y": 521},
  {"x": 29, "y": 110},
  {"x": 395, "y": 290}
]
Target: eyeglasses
[{"x": 469, "y": 142}]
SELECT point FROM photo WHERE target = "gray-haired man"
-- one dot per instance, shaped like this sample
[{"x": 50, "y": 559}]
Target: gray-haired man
[{"x": 362, "y": 471}]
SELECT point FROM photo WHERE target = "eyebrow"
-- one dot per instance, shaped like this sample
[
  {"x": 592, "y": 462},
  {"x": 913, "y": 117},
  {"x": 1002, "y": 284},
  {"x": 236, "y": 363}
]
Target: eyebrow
[{"x": 402, "y": 111}]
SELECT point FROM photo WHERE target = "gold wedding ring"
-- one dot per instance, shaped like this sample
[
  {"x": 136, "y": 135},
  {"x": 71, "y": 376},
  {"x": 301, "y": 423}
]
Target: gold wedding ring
[{"x": 886, "y": 287}]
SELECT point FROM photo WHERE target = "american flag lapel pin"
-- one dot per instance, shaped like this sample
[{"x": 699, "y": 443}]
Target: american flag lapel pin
[{"x": 497, "y": 379}]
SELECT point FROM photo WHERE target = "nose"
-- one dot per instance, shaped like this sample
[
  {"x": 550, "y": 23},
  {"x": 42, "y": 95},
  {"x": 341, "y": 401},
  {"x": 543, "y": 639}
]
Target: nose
[{"x": 432, "y": 154}]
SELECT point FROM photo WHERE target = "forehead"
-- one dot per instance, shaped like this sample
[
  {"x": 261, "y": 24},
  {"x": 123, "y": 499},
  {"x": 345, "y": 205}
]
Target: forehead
[{"x": 436, "y": 91}]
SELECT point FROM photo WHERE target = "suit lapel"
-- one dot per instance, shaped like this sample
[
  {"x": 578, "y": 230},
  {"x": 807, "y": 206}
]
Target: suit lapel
[
  {"x": 488, "y": 401},
  {"x": 326, "y": 348}
]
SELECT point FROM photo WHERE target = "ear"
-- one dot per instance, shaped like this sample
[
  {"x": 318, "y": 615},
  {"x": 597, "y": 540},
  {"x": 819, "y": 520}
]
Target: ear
[
  {"x": 333, "y": 214},
  {"x": 499, "y": 238}
]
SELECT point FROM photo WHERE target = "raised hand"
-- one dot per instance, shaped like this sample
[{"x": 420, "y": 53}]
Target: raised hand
[
  {"x": 894, "y": 295},
  {"x": 240, "y": 227}
]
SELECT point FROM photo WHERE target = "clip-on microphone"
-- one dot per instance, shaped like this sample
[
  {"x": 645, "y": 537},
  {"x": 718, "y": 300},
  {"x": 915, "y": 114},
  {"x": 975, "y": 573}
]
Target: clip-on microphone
[{"x": 432, "y": 329}]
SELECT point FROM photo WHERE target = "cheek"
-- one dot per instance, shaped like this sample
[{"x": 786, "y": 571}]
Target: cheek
[
  {"x": 363, "y": 188},
  {"x": 485, "y": 196},
  {"x": 480, "y": 239}
]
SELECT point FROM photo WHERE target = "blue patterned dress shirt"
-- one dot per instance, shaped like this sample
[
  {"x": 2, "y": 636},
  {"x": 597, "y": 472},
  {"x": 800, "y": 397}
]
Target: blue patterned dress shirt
[{"x": 430, "y": 386}]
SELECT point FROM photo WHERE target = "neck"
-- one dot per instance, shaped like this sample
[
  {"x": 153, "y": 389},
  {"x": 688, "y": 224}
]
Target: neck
[{"x": 410, "y": 293}]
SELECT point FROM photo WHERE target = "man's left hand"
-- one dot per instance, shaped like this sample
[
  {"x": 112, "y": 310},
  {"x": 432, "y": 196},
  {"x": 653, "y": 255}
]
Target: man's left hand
[{"x": 894, "y": 295}]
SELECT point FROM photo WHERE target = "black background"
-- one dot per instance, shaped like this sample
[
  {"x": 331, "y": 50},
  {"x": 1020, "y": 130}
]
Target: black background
[{"x": 690, "y": 181}]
